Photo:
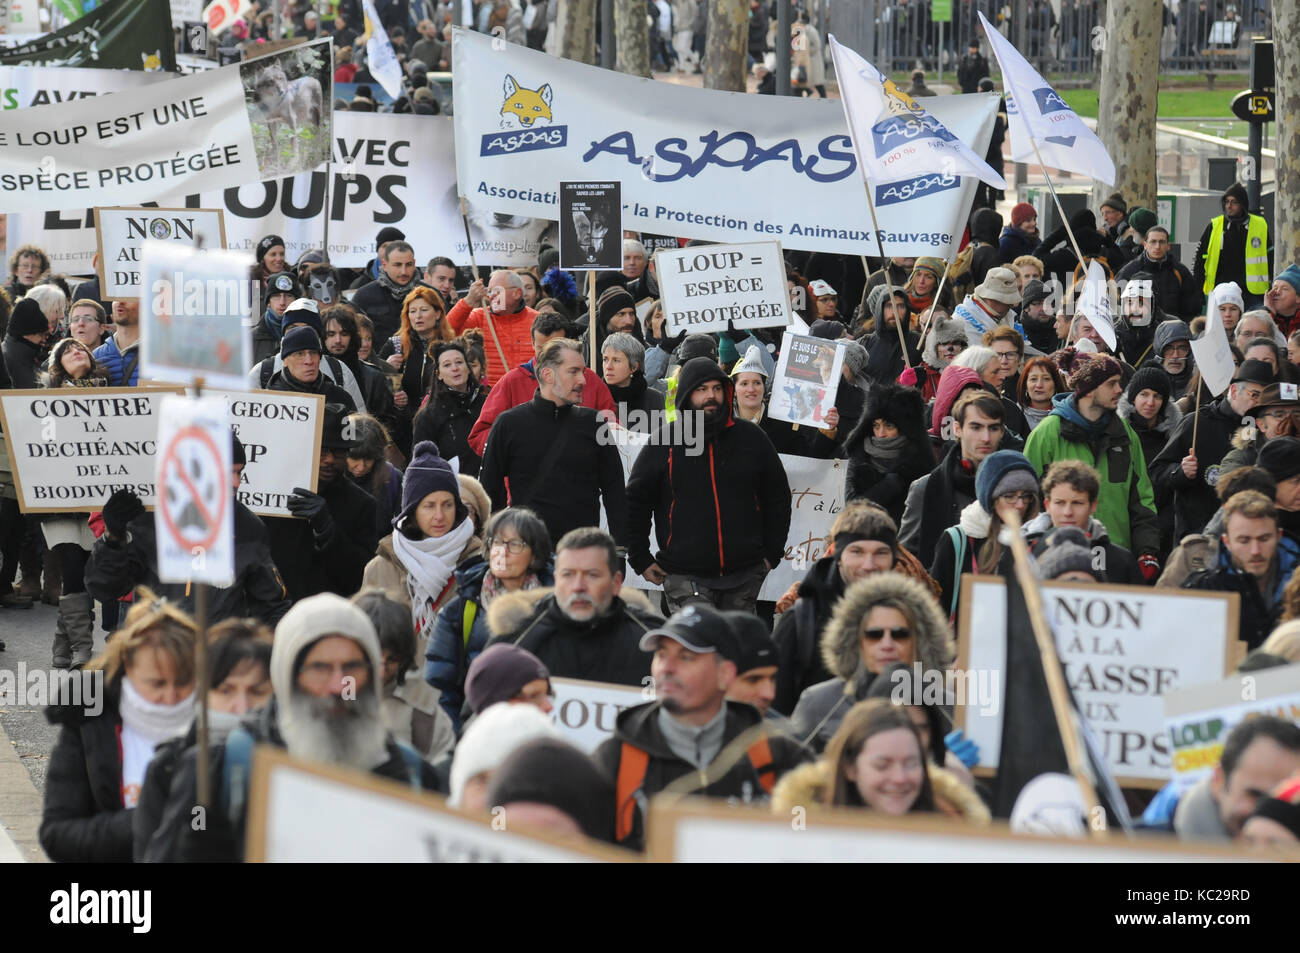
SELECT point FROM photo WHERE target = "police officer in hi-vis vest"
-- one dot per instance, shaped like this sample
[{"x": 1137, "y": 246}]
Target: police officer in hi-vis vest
[{"x": 1234, "y": 247}]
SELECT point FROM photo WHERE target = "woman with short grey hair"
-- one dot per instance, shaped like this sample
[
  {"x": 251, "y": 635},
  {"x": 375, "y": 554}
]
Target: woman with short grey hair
[{"x": 638, "y": 403}]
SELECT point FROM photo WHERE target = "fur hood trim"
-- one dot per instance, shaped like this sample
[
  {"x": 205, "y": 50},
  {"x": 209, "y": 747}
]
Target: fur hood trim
[
  {"x": 808, "y": 785},
  {"x": 1169, "y": 417},
  {"x": 839, "y": 645},
  {"x": 510, "y": 610}
]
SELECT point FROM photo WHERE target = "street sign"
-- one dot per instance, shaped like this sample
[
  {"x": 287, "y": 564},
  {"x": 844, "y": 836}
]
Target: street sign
[
  {"x": 194, "y": 520},
  {"x": 1254, "y": 105},
  {"x": 941, "y": 11}
]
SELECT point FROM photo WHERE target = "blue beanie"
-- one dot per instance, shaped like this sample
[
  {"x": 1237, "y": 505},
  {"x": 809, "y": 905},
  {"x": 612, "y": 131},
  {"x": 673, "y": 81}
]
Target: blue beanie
[
  {"x": 1003, "y": 472},
  {"x": 1291, "y": 276},
  {"x": 427, "y": 473}
]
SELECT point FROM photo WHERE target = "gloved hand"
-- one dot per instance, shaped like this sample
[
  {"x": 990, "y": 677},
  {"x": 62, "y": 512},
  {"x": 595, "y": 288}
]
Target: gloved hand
[
  {"x": 673, "y": 343},
  {"x": 908, "y": 377},
  {"x": 966, "y": 750},
  {"x": 122, "y": 507},
  {"x": 734, "y": 336},
  {"x": 1149, "y": 566},
  {"x": 311, "y": 506}
]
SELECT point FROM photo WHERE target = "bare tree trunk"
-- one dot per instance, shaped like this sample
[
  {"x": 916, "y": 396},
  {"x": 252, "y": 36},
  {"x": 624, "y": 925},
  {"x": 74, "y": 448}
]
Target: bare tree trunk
[
  {"x": 576, "y": 21},
  {"x": 726, "y": 45},
  {"x": 1126, "y": 112},
  {"x": 632, "y": 37},
  {"x": 1286, "y": 214}
]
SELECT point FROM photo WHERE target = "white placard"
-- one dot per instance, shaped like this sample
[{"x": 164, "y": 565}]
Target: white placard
[
  {"x": 705, "y": 286},
  {"x": 194, "y": 520},
  {"x": 72, "y": 448},
  {"x": 24, "y": 86},
  {"x": 1123, "y": 649},
  {"x": 817, "y": 496},
  {"x": 807, "y": 379},
  {"x": 585, "y": 711},
  {"x": 281, "y": 433},
  {"x": 122, "y": 231}
]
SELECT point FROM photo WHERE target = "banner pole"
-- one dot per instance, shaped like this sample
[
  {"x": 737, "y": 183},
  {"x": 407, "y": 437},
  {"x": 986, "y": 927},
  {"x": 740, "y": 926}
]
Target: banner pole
[
  {"x": 464, "y": 217},
  {"x": 898, "y": 326},
  {"x": 329, "y": 179},
  {"x": 201, "y": 671},
  {"x": 934, "y": 302},
  {"x": 1057, "y": 199},
  {"x": 1196, "y": 414},
  {"x": 591, "y": 316}
]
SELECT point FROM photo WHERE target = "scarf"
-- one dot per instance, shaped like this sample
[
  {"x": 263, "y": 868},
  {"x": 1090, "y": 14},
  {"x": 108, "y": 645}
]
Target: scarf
[
  {"x": 884, "y": 453},
  {"x": 155, "y": 723},
  {"x": 429, "y": 564},
  {"x": 632, "y": 391},
  {"x": 396, "y": 291},
  {"x": 492, "y": 587},
  {"x": 274, "y": 323}
]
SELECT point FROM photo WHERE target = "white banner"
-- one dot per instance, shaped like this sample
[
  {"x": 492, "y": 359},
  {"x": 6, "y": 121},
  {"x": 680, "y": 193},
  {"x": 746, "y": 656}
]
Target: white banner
[
  {"x": 281, "y": 433},
  {"x": 705, "y": 286},
  {"x": 1123, "y": 649},
  {"x": 256, "y": 120},
  {"x": 585, "y": 711},
  {"x": 25, "y": 86},
  {"x": 817, "y": 496},
  {"x": 194, "y": 521},
  {"x": 703, "y": 163},
  {"x": 121, "y": 233}
]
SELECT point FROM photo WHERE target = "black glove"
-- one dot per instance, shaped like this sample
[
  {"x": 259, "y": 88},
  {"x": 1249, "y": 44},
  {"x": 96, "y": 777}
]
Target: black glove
[
  {"x": 122, "y": 507},
  {"x": 672, "y": 344},
  {"x": 734, "y": 336},
  {"x": 310, "y": 506}
]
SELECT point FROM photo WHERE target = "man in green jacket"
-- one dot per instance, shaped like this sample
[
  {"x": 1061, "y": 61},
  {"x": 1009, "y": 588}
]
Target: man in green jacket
[{"x": 1084, "y": 426}]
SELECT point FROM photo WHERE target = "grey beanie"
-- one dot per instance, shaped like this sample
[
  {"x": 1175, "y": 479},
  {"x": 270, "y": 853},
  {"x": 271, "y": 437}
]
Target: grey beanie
[{"x": 1067, "y": 551}]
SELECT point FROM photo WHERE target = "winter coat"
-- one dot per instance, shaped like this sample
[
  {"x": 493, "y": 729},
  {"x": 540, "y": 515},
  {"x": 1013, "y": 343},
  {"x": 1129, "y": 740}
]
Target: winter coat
[
  {"x": 973, "y": 527},
  {"x": 1116, "y": 563},
  {"x": 332, "y": 371},
  {"x": 1195, "y": 499},
  {"x": 1256, "y": 618},
  {"x": 1013, "y": 242},
  {"x": 518, "y": 387},
  {"x": 387, "y": 494},
  {"x": 722, "y": 511},
  {"x": 514, "y": 332},
  {"x": 1153, "y": 440},
  {"x": 1176, "y": 291},
  {"x": 639, "y": 727},
  {"x": 447, "y": 420},
  {"x": 887, "y": 484},
  {"x": 885, "y": 352},
  {"x": 22, "y": 361},
  {"x": 822, "y": 707},
  {"x": 386, "y": 572},
  {"x": 336, "y": 563},
  {"x": 797, "y": 633},
  {"x": 604, "y": 649},
  {"x": 114, "y": 569},
  {"x": 569, "y": 492},
  {"x": 1126, "y": 504},
  {"x": 83, "y": 819},
  {"x": 934, "y": 502},
  {"x": 809, "y": 785},
  {"x": 376, "y": 303},
  {"x": 639, "y": 404},
  {"x": 123, "y": 369}
]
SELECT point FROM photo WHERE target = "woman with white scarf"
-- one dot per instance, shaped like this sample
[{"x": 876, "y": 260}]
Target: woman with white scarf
[
  {"x": 432, "y": 536},
  {"x": 108, "y": 738}
]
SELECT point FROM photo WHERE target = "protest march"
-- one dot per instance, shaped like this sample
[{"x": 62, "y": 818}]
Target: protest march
[{"x": 422, "y": 444}]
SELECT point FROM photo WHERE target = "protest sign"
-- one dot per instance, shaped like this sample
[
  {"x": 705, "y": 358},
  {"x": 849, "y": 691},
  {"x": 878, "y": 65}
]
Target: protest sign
[
  {"x": 585, "y": 711},
  {"x": 194, "y": 520},
  {"x": 193, "y": 307},
  {"x": 692, "y": 161},
  {"x": 25, "y": 86},
  {"x": 121, "y": 232},
  {"x": 700, "y": 831},
  {"x": 118, "y": 34},
  {"x": 1123, "y": 648},
  {"x": 591, "y": 226},
  {"x": 807, "y": 377},
  {"x": 312, "y": 812},
  {"x": 71, "y": 449},
  {"x": 705, "y": 286},
  {"x": 817, "y": 496},
  {"x": 260, "y": 119},
  {"x": 281, "y": 433},
  {"x": 1200, "y": 718}
]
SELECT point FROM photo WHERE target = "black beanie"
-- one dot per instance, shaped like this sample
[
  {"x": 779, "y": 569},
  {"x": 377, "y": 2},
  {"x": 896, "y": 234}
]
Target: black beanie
[
  {"x": 266, "y": 244},
  {"x": 553, "y": 772},
  {"x": 613, "y": 300},
  {"x": 1280, "y": 457},
  {"x": 27, "y": 318},
  {"x": 389, "y": 234},
  {"x": 1150, "y": 378},
  {"x": 237, "y": 455},
  {"x": 299, "y": 339}
]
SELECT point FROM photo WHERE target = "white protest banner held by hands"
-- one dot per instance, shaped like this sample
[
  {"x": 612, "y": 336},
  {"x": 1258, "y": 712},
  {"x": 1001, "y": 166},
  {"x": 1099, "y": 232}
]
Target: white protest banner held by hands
[
  {"x": 702, "y": 287},
  {"x": 1036, "y": 112},
  {"x": 380, "y": 57},
  {"x": 895, "y": 138},
  {"x": 194, "y": 520},
  {"x": 1094, "y": 303}
]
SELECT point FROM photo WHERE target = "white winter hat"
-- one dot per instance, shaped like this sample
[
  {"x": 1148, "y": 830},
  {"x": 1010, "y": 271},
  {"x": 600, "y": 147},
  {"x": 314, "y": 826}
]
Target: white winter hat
[
  {"x": 751, "y": 363},
  {"x": 309, "y": 621},
  {"x": 491, "y": 737},
  {"x": 821, "y": 288}
]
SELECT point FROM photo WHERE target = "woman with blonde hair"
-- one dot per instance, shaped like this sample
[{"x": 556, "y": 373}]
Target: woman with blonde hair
[{"x": 145, "y": 696}]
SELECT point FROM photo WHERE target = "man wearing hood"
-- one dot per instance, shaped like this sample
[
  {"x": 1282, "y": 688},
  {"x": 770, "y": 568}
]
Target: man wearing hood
[
  {"x": 884, "y": 349},
  {"x": 24, "y": 339},
  {"x": 989, "y": 305},
  {"x": 381, "y": 300},
  {"x": 1172, "y": 352},
  {"x": 720, "y": 504},
  {"x": 305, "y": 313},
  {"x": 1177, "y": 293},
  {"x": 1070, "y": 491},
  {"x": 1191, "y": 473},
  {"x": 1038, "y": 323},
  {"x": 1234, "y": 247},
  {"x": 1083, "y": 425},
  {"x": 1139, "y": 316},
  {"x": 985, "y": 231},
  {"x": 326, "y": 666}
]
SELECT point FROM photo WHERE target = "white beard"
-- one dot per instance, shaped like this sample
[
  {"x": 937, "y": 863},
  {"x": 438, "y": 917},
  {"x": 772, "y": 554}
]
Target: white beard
[{"x": 353, "y": 738}]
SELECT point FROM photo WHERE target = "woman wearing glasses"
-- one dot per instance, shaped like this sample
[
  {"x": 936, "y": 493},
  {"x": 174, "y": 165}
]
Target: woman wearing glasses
[
  {"x": 880, "y": 620},
  {"x": 1005, "y": 484},
  {"x": 519, "y": 557}
]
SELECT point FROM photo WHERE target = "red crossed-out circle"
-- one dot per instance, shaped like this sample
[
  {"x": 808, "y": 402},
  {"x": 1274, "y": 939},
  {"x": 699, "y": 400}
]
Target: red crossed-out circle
[{"x": 169, "y": 458}]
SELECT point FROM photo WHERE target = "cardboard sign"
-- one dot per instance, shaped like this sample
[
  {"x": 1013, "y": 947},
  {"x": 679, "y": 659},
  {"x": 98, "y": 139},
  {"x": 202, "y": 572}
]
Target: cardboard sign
[
  {"x": 72, "y": 448},
  {"x": 194, "y": 520},
  {"x": 705, "y": 286},
  {"x": 807, "y": 379},
  {"x": 317, "y": 813},
  {"x": 281, "y": 433},
  {"x": 1199, "y": 719},
  {"x": 121, "y": 231},
  {"x": 817, "y": 496},
  {"x": 585, "y": 711},
  {"x": 591, "y": 226},
  {"x": 1123, "y": 649}
]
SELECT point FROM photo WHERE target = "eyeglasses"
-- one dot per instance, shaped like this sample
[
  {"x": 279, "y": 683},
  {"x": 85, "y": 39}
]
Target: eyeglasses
[
  {"x": 1006, "y": 356},
  {"x": 898, "y": 635},
  {"x": 321, "y": 671},
  {"x": 512, "y": 546},
  {"x": 84, "y": 319},
  {"x": 953, "y": 345},
  {"x": 1018, "y": 496}
]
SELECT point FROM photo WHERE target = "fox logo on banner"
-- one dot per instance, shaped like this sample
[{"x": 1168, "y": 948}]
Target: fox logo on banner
[{"x": 1036, "y": 112}]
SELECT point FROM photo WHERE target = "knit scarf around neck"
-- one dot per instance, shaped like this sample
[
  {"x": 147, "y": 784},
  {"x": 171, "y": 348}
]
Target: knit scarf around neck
[
  {"x": 429, "y": 564},
  {"x": 398, "y": 292},
  {"x": 153, "y": 722},
  {"x": 884, "y": 453}
]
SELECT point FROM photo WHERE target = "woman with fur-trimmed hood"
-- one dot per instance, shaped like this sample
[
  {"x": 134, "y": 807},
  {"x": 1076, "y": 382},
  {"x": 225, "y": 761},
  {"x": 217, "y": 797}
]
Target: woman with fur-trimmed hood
[
  {"x": 945, "y": 339},
  {"x": 880, "y": 620},
  {"x": 888, "y": 449}
]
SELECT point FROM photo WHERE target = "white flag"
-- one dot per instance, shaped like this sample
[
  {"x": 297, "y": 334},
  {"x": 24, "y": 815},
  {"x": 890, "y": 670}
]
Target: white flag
[
  {"x": 1094, "y": 303},
  {"x": 379, "y": 53},
  {"x": 1213, "y": 355},
  {"x": 1036, "y": 113},
  {"x": 893, "y": 135}
]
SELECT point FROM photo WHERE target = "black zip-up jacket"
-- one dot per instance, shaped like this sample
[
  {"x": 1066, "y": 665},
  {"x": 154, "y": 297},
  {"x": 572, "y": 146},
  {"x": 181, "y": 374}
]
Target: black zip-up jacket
[
  {"x": 447, "y": 419},
  {"x": 568, "y": 494},
  {"x": 1195, "y": 500},
  {"x": 339, "y": 562},
  {"x": 1176, "y": 291},
  {"x": 722, "y": 511},
  {"x": 798, "y": 633}
]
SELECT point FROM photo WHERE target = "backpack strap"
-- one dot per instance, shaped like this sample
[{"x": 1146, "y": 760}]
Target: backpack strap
[
  {"x": 414, "y": 763},
  {"x": 236, "y": 774},
  {"x": 959, "y": 555},
  {"x": 467, "y": 620},
  {"x": 268, "y": 368},
  {"x": 632, "y": 764},
  {"x": 760, "y": 756}
]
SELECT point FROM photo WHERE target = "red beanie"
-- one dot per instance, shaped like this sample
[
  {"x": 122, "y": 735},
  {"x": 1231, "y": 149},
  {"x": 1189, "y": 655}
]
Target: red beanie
[{"x": 1023, "y": 213}]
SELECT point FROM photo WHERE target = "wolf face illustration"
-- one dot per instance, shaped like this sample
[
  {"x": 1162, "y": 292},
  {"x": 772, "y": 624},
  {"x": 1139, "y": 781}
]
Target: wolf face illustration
[
  {"x": 321, "y": 283},
  {"x": 525, "y": 105}
]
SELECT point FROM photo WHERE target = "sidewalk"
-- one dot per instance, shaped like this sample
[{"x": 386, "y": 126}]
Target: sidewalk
[{"x": 20, "y": 809}]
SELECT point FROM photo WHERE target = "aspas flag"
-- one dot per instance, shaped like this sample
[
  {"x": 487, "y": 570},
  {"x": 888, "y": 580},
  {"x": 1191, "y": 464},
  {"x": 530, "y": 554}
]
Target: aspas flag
[
  {"x": 1094, "y": 303},
  {"x": 1035, "y": 111},
  {"x": 893, "y": 135},
  {"x": 380, "y": 57}
]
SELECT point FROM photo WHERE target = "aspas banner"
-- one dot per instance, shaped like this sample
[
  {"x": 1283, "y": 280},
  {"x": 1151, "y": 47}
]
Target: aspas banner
[
  {"x": 264, "y": 118},
  {"x": 388, "y": 170},
  {"x": 699, "y": 163},
  {"x": 119, "y": 34}
]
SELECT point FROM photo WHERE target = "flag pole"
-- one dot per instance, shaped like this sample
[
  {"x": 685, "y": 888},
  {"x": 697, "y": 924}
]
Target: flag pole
[
  {"x": 1074, "y": 242},
  {"x": 469, "y": 241},
  {"x": 934, "y": 302},
  {"x": 1056, "y": 687},
  {"x": 880, "y": 245}
]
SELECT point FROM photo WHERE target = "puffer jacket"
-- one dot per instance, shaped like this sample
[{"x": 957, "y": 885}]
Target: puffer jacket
[
  {"x": 822, "y": 707},
  {"x": 810, "y": 784}
]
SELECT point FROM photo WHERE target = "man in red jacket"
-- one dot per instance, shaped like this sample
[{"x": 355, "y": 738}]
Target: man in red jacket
[
  {"x": 503, "y": 318},
  {"x": 518, "y": 386}
]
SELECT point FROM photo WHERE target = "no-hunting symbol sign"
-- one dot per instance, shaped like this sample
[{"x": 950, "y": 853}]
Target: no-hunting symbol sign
[{"x": 194, "y": 519}]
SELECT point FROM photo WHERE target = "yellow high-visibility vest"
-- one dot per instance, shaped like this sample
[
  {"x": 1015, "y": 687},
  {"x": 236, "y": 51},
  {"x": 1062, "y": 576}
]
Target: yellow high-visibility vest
[
  {"x": 1256, "y": 254},
  {"x": 670, "y": 398}
]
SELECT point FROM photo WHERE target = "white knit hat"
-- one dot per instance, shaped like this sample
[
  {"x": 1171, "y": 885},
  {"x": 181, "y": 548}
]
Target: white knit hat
[
  {"x": 491, "y": 737},
  {"x": 751, "y": 363},
  {"x": 309, "y": 621}
]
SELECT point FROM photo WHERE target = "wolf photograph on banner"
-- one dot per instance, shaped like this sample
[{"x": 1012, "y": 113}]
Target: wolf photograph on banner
[{"x": 287, "y": 95}]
